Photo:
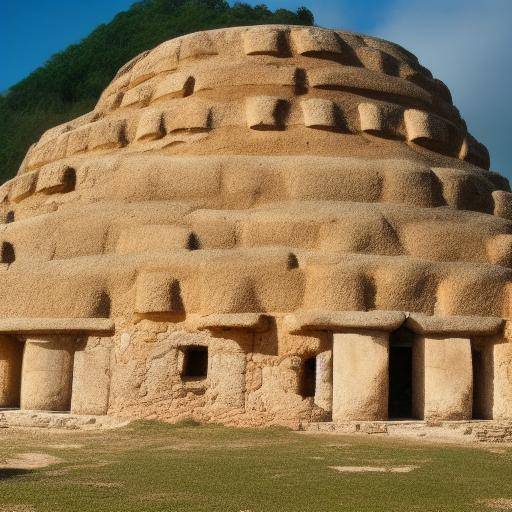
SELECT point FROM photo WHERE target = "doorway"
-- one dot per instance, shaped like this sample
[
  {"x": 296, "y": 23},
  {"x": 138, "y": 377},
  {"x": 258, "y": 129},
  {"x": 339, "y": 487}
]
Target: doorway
[{"x": 400, "y": 374}]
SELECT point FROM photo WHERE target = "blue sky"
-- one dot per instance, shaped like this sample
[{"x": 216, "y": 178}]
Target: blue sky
[{"x": 466, "y": 43}]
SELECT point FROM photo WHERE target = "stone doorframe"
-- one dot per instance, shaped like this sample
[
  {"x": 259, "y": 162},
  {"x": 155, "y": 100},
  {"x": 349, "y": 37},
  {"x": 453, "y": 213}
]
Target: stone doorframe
[{"x": 441, "y": 360}]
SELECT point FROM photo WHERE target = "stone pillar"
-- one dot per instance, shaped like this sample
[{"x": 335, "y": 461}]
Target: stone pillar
[
  {"x": 323, "y": 384},
  {"x": 502, "y": 406},
  {"x": 91, "y": 381},
  {"x": 47, "y": 373},
  {"x": 442, "y": 378},
  {"x": 11, "y": 354},
  {"x": 360, "y": 376}
]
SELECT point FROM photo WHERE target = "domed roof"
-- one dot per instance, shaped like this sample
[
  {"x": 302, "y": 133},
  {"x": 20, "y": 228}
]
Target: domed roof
[{"x": 260, "y": 169}]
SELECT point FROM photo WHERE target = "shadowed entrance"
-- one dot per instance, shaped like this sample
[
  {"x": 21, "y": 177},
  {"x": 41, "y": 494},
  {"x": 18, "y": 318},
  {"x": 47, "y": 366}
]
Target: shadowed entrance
[{"x": 400, "y": 374}]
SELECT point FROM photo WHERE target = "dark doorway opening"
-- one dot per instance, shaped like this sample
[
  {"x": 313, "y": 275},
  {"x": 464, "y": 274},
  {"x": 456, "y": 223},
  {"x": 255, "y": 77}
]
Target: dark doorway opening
[
  {"x": 478, "y": 364},
  {"x": 195, "y": 363},
  {"x": 307, "y": 382},
  {"x": 400, "y": 374}
]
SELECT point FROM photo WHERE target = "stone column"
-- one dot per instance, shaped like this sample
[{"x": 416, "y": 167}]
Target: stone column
[
  {"x": 91, "y": 381},
  {"x": 323, "y": 384},
  {"x": 47, "y": 373},
  {"x": 502, "y": 382},
  {"x": 11, "y": 353},
  {"x": 360, "y": 376},
  {"x": 442, "y": 378}
]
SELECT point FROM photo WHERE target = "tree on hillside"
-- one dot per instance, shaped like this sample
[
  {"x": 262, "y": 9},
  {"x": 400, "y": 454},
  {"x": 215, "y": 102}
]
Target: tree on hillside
[{"x": 69, "y": 84}]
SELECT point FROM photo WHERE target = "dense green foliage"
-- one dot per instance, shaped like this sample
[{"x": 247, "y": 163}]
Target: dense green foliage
[{"x": 70, "y": 83}]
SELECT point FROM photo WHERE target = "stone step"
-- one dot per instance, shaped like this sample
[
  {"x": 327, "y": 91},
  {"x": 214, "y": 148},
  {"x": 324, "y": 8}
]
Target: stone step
[
  {"x": 490, "y": 431},
  {"x": 60, "y": 420}
]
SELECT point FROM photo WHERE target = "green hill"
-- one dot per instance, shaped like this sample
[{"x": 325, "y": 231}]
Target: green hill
[{"x": 70, "y": 83}]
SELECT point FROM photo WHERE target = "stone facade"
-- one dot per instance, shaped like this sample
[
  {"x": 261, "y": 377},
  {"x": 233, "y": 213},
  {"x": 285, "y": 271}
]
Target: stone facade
[{"x": 255, "y": 226}]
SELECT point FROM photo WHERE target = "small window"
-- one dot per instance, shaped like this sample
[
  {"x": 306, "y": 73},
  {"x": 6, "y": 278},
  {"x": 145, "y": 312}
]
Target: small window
[
  {"x": 69, "y": 182},
  {"x": 195, "y": 362},
  {"x": 9, "y": 217},
  {"x": 188, "y": 88},
  {"x": 307, "y": 382},
  {"x": 8, "y": 255}
]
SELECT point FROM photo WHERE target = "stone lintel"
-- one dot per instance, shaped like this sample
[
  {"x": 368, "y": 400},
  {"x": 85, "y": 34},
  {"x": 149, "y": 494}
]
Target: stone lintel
[
  {"x": 55, "y": 325},
  {"x": 462, "y": 326},
  {"x": 250, "y": 321},
  {"x": 321, "y": 320}
]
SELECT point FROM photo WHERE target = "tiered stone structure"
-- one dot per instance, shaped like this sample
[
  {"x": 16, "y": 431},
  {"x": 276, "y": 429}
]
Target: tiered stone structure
[{"x": 260, "y": 225}]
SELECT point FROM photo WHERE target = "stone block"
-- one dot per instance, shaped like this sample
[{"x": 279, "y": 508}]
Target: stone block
[
  {"x": 226, "y": 375},
  {"x": 23, "y": 186},
  {"x": 263, "y": 113},
  {"x": 442, "y": 378},
  {"x": 323, "y": 384},
  {"x": 107, "y": 134},
  {"x": 502, "y": 204},
  {"x": 158, "y": 292},
  {"x": 320, "y": 113},
  {"x": 311, "y": 41},
  {"x": 55, "y": 177},
  {"x": 47, "y": 373},
  {"x": 150, "y": 125},
  {"x": 360, "y": 376},
  {"x": 379, "y": 119},
  {"x": 196, "y": 45},
  {"x": 172, "y": 86},
  {"x": 91, "y": 381},
  {"x": 474, "y": 152},
  {"x": 263, "y": 41},
  {"x": 423, "y": 127},
  {"x": 502, "y": 399}
]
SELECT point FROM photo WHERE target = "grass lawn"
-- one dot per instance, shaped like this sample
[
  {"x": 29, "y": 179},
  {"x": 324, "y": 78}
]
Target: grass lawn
[{"x": 158, "y": 467}]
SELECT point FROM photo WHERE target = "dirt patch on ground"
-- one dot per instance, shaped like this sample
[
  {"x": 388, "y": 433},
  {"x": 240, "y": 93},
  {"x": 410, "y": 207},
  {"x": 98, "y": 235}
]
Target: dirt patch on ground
[
  {"x": 101, "y": 484},
  {"x": 17, "y": 508},
  {"x": 498, "y": 503},
  {"x": 65, "y": 446},
  {"x": 30, "y": 461},
  {"x": 374, "y": 469}
]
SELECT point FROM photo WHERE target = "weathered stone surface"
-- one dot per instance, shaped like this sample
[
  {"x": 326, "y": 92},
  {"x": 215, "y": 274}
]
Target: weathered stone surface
[
  {"x": 91, "y": 381},
  {"x": 502, "y": 396},
  {"x": 458, "y": 325},
  {"x": 344, "y": 320},
  {"x": 360, "y": 376},
  {"x": 249, "y": 193},
  {"x": 324, "y": 378},
  {"x": 47, "y": 373},
  {"x": 442, "y": 378},
  {"x": 53, "y": 325}
]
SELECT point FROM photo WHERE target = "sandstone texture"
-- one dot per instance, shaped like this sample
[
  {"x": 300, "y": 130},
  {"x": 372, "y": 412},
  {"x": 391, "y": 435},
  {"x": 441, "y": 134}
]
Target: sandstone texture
[{"x": 260, "y": 225}]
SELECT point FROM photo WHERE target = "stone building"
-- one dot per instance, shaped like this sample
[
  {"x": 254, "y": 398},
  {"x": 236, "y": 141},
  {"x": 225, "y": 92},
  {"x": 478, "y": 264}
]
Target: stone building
[{"x": 260, "y": 225}]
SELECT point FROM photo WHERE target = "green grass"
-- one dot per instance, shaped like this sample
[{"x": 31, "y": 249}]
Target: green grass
[{"x": 157, "y": 467}]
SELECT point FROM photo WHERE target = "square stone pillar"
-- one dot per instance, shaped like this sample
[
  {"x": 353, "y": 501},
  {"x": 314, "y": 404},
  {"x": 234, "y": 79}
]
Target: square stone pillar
[
  {"x": 11, "y": 353},
  {"x": 442, "y": 378},
  {"x": 323, "y": 384},
  {"x": 91, "y": 381},
  {"x": 360, "y": 376},
  {"x": 502, "y": 382},
  {"x": 47, "y": 373}
]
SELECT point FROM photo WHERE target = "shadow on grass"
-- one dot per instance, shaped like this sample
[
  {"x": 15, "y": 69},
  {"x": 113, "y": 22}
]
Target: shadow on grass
[{"x": 6, "y": 473}]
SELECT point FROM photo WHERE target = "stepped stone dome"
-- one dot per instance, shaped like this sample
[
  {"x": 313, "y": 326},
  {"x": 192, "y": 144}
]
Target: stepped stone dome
[{"x": 260, "y": 225}]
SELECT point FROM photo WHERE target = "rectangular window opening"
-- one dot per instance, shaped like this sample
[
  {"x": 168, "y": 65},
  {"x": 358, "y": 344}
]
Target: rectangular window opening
[{"x": 195, "y": 363}]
